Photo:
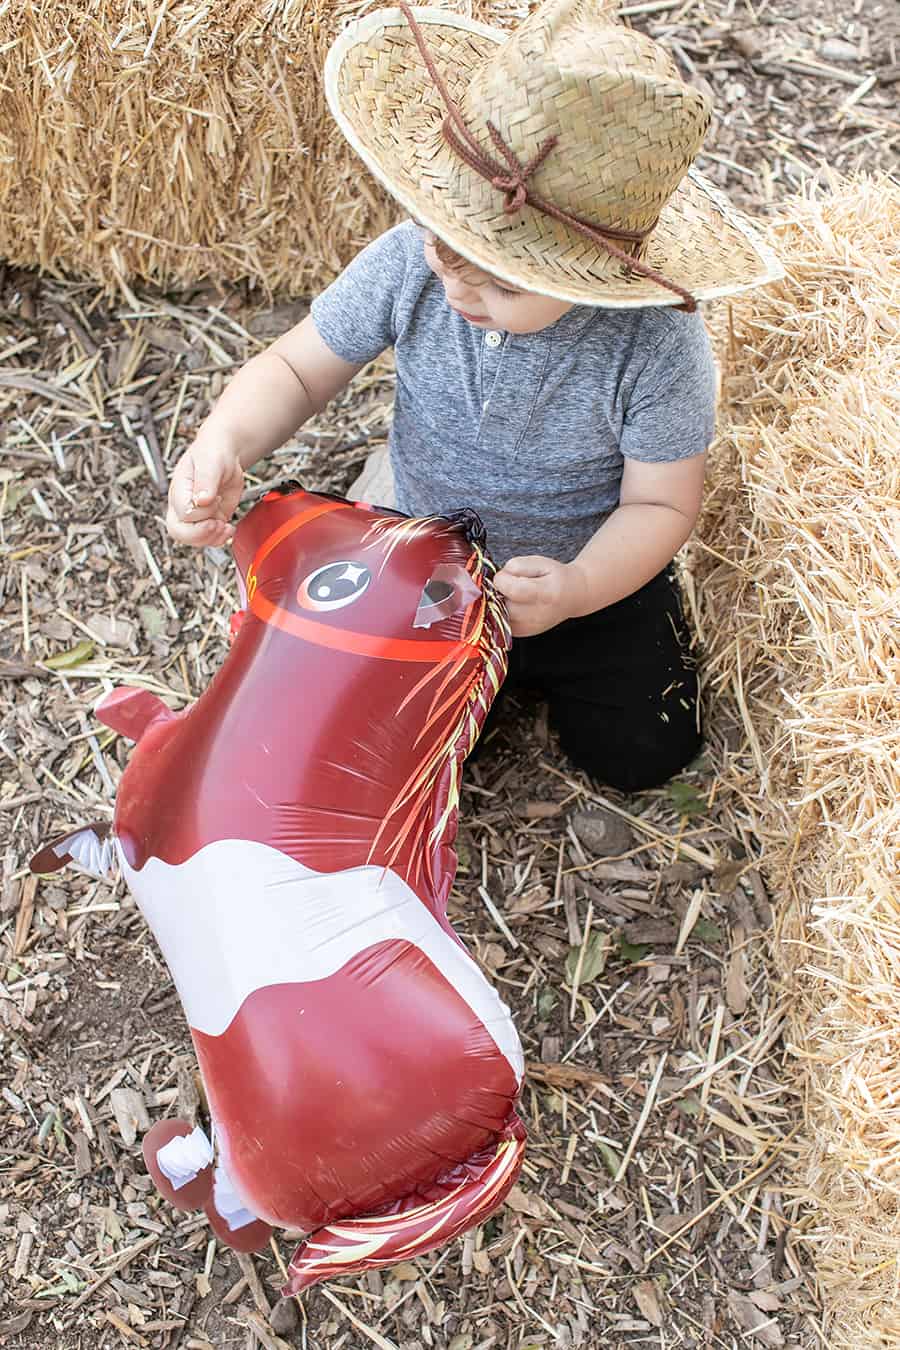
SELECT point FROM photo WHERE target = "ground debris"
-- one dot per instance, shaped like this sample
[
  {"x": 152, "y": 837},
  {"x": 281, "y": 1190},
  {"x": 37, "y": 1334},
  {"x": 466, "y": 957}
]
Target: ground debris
[{"x": 653, "y": 1194}]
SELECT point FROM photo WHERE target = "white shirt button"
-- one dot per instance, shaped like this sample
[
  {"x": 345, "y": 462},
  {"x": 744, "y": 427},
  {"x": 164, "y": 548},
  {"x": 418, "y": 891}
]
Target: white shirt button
[{"x": 493, "y": 339}]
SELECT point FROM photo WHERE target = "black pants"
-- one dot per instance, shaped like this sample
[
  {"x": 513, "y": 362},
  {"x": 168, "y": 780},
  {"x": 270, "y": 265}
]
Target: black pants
[{"x": 621, "y": 687}]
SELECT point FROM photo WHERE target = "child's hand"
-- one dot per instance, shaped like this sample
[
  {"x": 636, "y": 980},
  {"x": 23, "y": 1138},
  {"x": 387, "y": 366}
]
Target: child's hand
[
  {"x": 541, "y": 592},
  {"x": 203, "y": 494}
]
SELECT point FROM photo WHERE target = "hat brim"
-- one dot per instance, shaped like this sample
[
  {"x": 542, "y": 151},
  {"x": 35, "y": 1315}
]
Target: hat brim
[{"x": 384, "y": 102}]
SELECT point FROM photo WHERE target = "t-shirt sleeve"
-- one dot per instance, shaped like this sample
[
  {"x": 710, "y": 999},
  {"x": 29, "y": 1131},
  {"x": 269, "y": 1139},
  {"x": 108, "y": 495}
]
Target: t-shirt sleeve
[
  {"x": 356, "y": 316},
  {"x": 671, "y": 410}
]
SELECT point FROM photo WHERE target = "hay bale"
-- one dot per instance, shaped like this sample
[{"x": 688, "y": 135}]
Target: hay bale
[
  {"x": 180, "y": 140},
  {"x": 797, "y": 596}
]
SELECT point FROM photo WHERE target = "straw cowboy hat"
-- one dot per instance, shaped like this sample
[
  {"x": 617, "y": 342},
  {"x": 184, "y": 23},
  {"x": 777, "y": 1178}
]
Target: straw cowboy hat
[{"x": 557, "y": 158}]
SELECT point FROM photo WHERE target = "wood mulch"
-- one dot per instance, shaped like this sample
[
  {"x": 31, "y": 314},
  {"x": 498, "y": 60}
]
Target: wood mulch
[
  {"x": 655, "y": 1205},
  {"x": 648, "y": 1212}
]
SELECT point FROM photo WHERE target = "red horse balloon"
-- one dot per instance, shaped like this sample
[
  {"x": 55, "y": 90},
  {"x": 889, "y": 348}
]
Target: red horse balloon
[{"x": 289, "y": 839}]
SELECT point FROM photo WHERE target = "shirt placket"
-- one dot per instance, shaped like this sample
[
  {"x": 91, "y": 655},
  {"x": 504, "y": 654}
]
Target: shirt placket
[
  {"x": 489, "y": 367},
  {"x": 512, "y": 368}
]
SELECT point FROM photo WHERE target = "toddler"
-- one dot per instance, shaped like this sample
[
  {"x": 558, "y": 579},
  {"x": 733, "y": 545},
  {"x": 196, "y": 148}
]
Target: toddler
[{"x": 553, "y": 370}]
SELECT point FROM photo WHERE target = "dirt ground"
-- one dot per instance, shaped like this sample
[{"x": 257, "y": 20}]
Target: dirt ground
[{"x": 655, "y": 1207}]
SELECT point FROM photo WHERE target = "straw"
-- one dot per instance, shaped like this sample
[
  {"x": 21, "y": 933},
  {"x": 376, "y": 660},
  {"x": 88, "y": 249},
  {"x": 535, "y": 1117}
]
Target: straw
[
  {"x": 797, "y": 567},
  {"x": 179, "y": 142}
]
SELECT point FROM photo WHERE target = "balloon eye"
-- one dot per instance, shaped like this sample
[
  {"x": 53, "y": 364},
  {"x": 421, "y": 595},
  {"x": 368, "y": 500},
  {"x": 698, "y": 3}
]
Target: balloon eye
[
  {"x": 448, "y": 590},
  {"x": 333, "y": 586}
]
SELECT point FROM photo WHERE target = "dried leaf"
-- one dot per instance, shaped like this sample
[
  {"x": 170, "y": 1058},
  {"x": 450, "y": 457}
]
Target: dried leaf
[
  {"x": 533, "y": 899},
  {"x": 611, "y": 1160},
  {"x": 481, "y": 1261},
  {"x": 494, "y": 955},
  {"x": 75, "y": 656},
  {"x": 765, "y": 1299},
  {"x": 737, "y": 993},
  {"x": 756, "y": 1323},
  {"x": 646, "y": 1296},
  {"x": 686, "y": 799},
  {"x": 130, "y": 1112},
  {"x": 15, "y": 1324},
  {"x": 522, "y": 1202},
  {"x": 115, "y": 630},
  {"x": 153, "y": 620},
  {"x": 594, "y": 963},
  {"x": 405, "y": 1270}
]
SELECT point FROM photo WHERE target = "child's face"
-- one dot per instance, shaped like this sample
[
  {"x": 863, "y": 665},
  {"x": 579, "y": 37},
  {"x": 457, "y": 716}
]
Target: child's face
[{"x": 484, "y": 301}]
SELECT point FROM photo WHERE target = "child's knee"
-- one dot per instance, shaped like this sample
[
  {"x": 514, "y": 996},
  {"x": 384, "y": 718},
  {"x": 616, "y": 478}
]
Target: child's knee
[{"x": 637, "y": 762}]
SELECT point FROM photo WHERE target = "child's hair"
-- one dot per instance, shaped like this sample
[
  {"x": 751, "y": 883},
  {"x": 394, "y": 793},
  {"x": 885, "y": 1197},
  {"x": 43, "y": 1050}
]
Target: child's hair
[
  {"x": 448, "y": 256},
  {"x": 461, "y": 266}
]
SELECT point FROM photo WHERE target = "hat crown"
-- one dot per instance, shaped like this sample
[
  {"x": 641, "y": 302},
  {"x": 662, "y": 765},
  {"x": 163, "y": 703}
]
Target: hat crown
[
  {"x": 625, "y": 129},
  {"x": 628, "y": 126}
]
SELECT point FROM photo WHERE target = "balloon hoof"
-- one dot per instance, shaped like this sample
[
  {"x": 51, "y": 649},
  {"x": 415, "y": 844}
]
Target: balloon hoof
[
  {"x": 193, "y": 1194},
  {"x": 252, "y": 1237}
]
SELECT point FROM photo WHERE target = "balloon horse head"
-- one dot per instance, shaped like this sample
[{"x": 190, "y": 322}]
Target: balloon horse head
[{"x": 289, "y": 839}]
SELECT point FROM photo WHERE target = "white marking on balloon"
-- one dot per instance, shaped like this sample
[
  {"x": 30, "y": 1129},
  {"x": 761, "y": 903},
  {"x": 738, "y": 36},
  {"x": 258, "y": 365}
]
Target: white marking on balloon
[{"x": 239, "y": 916}]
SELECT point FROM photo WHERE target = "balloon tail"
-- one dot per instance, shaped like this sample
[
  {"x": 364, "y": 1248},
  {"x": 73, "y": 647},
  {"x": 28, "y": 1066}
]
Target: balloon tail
[{"x": 355, "y": 1245}]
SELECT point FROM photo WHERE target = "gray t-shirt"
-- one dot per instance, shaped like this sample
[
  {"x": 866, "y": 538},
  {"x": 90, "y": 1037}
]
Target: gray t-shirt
[{"x": 531, "y": 430}]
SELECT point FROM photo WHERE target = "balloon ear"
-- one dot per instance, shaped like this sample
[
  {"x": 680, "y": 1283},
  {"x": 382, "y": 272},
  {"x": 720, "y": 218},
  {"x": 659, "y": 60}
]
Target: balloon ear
[
  {"x": 286, "y": 489},
  {"x": 448, "y": 590},
  {"x": 265, "y": 515},
  {"x": 471, "y": 524},
  {"x": 90, "y": 846}
]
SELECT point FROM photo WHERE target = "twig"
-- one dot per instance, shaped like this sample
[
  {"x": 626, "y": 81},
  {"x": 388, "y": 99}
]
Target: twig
[
  {"x": 374, "y": 1336},
  {"x": 595, "y": 1019},
  {"x": 77, "y": 329},
  {"x": 818, "y": 70},
  {"x": 576, "y": 978},
  {"x": 248, "y": 1270},
  {"x": 650, "y": 7},
  {"x": 712, "y": 1052},
  {"x": 149, "y": 429},
  {"x": 497, "y": 917},
  {"x": 16, "y": 380},
  {"x": 119, "y": 1264},
  {"x": 867, "y": 85},
  {"x": 720, "y": 1199},
  {"x": 642, "y": 1118},
  {"x": 262, "y": 1331}
]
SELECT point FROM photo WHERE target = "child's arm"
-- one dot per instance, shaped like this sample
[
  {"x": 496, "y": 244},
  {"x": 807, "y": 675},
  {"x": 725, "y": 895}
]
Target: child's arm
[
  {"x": 265, "y": 402},
  {"x": 670, "y": 407},
  {"x": 658, "y": 505}
]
